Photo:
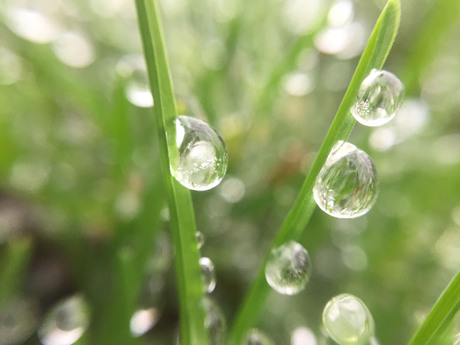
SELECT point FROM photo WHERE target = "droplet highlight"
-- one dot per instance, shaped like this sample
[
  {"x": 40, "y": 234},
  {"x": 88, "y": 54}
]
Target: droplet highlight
[
  {"x": 288, "y": 268},
  {"x": 208, "y": 275},
  {"x": 65, "y": 323},
  {"x": 257, "y": 337},
  {"x": 348, "y": 321},
  {"x": 201, "y": 162},
  {"x": 347, "y": 185},
  {"x": 380, "y": 95}
]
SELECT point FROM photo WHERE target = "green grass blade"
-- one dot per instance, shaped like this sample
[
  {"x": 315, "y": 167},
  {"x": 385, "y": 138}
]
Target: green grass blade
[
  {"x": 441, "y": 316},
  {"x": 182, "y": 219},
  {"x": 374, "y": 56}
]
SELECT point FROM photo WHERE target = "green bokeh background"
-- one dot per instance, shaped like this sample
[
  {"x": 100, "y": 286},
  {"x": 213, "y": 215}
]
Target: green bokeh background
[{"x": 81, "y": 208}]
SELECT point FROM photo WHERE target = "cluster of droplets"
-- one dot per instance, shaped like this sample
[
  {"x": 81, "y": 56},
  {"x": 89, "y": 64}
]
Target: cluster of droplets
[
  {"x": 288, "y": 268},
  {"x": 347, "y": 185},
  {"x": 201, "y": 160},
  {"x": 348, "y": 321}
]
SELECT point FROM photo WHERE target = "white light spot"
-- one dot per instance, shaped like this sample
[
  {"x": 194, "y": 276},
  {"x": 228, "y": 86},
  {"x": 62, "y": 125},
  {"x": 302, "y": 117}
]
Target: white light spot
[
  {"x": 143, "y": 320},
  {"x": 298, "y": 84},
  {"x": 303, "y": 336},
  {"x": 232, "y": 190},
  {"x": 341, "y": 13},
  {"x": 74, "y": 50}
]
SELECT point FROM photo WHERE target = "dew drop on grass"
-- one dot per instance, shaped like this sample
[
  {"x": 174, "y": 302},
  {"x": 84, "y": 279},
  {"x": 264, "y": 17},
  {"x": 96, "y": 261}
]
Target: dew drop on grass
[
  {"x": 347, "y": 320},
  {"x": 207, "y": 274},
  {"x": 200, "y": 239},
  {"x": 214, "y": 321},
  {"x": 65, "y": 323},
  {"x": 380, "y": 95},
  {"x": 202, "y": 159},
  {"x": 257, "y": 337},
  {"x": 288, "y": 268},
  {"x": 347, "y": 185}
]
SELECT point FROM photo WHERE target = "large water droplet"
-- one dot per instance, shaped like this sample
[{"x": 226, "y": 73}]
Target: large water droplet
[
  {"x": 214, "y": 322},
  {"x": 380, "y": 95},
  {"x": 257, "y": 337},
  {"x": 65, "y": 323},
  {"x": 347, "y": 320},
  {"x": 202, "y": 158},
  {"x": 347, "y": 185},
  {"x": 207, "y": 274},
  {"x": 288, "y": 268}
]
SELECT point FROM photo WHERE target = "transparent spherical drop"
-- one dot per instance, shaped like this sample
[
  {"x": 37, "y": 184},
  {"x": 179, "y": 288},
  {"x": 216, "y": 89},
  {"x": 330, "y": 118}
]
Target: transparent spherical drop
[
  {"x": 208, "y": 275},
  {"x": 347, "y": 320},
  {"x": 65, "y": 323},
  {"x": 257, "y": 337},
  {"x": 288, "y": 268},
  {"x": 380, "y": 95},
  {"x": 200, "y": 238},
  {"x": 214, "y": 322},
  {"x": 347, "y": 185},
  {"x": 202, "y": 158}
]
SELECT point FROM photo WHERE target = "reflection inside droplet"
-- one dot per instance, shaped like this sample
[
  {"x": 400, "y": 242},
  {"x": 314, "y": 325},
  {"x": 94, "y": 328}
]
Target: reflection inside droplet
[
  {"x": 347, "y": 185},
  {"x": 201, "y": 161},
  {"x": 208, "y": 275},
  {"x": 347, "y": 320},
  {"x": 288, "y": 268}
]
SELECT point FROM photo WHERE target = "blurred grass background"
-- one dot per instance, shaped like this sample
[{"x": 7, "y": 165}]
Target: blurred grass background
[{"x": 81, "y": 207}]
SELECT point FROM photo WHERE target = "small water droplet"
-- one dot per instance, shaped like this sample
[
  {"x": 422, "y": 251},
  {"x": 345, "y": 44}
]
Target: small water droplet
[
  {"x": 347, "y": 185},
  {"x": 214, "y": 322},
  {"x": 207, "y": 274},
  {"x": 380, "y": 95},
  {"x": 257, "y": 337},
  {"x": 65, "y": 323},
  {"x": 288, "y": 268},
  {"x": 347, "y": 320},
  {"x": 202, "y": 159},
  {"x": 200, "y": 239}
]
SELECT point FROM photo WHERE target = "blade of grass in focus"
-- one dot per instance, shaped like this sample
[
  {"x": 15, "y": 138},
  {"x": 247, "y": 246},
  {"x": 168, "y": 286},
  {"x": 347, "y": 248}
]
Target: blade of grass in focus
[
  {"x": 182, "y": 219},
  {"x": 374, "y": 56},
  {"x": 440, "y": 316}
]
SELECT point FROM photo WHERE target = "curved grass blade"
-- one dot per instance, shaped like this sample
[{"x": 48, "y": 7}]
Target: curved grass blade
[
  {"x": 374, "y": 56},
  {"x": 182, "y": 219},
  {"x": 441, "y": 316}
]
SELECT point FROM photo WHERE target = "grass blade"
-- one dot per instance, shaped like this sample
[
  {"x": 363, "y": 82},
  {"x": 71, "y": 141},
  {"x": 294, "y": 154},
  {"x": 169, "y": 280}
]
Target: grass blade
[
  {"x": 182, "y": 219},
  {"x": 374, "y": 56},
  {"x": 441, "y": 316}
]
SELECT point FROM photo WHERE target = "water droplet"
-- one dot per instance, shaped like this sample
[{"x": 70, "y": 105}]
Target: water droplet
[
  {"x": 257, "y": 337},
  {"x": 380, "y": 95},
  {"x": 65, "y": 323},
  {"x": 347, "y": 320},
  {"x": 202, "y": 160},
  {"x": 347, "y": 185},
  {"x": 200, "y": 239},
  {"x": 207, "y": 274},
  {"x": 214, "y": 322},
  {"x": 143, "y": 320},
  {"x": 18, "y": 320},
  {"x": 288, "y": 268}
]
